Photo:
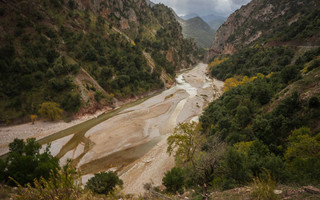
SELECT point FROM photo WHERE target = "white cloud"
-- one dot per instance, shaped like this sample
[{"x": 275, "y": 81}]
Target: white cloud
[{"x": 203, "y": 7}]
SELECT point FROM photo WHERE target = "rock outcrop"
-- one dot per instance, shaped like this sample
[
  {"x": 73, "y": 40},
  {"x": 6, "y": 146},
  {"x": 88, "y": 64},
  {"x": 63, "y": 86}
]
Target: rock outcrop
[{"x": 258, "y": 20}]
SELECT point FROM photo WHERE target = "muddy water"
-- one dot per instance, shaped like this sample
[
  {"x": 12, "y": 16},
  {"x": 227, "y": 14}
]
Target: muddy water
[{"x": 115, "y": 141}]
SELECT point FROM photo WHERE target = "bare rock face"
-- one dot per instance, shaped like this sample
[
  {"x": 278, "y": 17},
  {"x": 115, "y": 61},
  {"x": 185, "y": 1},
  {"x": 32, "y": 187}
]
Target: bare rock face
[
  {"x": 132, "y": 16},
  {"x": 124, "y": 24},
  {"x": 254, "y": 21},
  {"x": 220, "y": 43},
  {"x": 311, "y": 189}
]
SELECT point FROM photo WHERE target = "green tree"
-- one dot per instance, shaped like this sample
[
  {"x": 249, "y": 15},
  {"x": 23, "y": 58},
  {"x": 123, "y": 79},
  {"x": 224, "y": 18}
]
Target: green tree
[
  {"x": 50, "y": 110},
  {"x": 314, "y": 102},
  {"x": 303, "y": 155},
  {"x": 243, "y": 115},
  {"x": 25, "y": 163},
  {"x": 185, "y": 141},
  {"x": 235, "y": 166},
  {"x": 174, "y": 180},
  {"x": 98, "y": 96},
  {"x": 104, "y": 182}
]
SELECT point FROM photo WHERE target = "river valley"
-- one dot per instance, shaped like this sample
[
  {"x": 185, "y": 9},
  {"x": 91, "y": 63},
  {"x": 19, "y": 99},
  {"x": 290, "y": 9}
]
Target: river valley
[{"x": 132, "y": 140}]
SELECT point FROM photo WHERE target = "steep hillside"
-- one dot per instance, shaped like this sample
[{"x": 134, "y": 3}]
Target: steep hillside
[
  {"x": 263, "y": 132},
  {"x": 197, "y": 29},
  {"x": 85, "y": 54},
  {"x": 268, "y": 21}
]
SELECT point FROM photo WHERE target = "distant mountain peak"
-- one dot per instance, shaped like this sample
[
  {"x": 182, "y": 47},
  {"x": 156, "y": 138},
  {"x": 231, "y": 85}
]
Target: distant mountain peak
[
  {"x": 189, "y": 16},
  {"x": 197, "y": 29}
]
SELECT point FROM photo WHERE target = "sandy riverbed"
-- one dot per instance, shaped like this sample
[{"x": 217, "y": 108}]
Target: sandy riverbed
[
  {"x": 38, "y": 130},
  {"x": 133, "y": 141},
  {"x": 151, "y": 167}
]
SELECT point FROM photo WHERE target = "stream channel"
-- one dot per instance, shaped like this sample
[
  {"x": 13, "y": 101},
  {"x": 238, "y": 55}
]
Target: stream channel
[{"x": 119, "y": 138}]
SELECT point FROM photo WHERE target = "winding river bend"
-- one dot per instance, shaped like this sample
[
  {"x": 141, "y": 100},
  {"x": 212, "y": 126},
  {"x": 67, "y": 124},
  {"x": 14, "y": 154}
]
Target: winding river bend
[{"x": 133, "y": 141}]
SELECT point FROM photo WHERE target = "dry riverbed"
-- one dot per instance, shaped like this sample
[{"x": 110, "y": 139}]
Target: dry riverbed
[{"x": 132, "y": 140}]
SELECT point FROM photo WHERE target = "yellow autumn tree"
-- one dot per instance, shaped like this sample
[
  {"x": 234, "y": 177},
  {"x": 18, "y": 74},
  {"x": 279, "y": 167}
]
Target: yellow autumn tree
[
  {"x": 33, "y": 118},
  {"x": 245, "y": 80},
  {"x": 238, "y": 80},
  {"x": 50, "y": 110},
  {"x": 217, "y": 62},
  {"x": 230, "y": 83}
]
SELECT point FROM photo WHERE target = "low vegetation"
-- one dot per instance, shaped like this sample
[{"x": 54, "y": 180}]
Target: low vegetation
[
  {"x": 104, "y": 182},
  {"x": 38, "y": 176}
]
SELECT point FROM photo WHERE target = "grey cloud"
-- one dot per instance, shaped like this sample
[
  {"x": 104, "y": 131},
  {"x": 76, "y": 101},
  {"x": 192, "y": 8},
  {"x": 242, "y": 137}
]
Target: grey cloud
[{"x": 203, "y": 7}]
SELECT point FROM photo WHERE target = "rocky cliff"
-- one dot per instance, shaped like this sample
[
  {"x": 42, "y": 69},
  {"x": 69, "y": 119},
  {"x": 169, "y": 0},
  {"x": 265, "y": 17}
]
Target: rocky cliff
[{"x": 264, "y": 21}]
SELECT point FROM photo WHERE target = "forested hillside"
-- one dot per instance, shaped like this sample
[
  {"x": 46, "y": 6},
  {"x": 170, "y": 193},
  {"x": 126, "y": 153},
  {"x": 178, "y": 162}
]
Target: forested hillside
[
  {"x": 264, "y": 130},
  {"x": 85, "y": 54}
]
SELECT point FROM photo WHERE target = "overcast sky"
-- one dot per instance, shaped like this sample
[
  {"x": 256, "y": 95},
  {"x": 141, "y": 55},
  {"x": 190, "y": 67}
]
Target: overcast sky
[{"x": 203, "y": 7}]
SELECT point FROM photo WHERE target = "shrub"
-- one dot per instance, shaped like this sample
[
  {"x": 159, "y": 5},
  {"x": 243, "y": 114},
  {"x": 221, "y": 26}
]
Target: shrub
[
  {"x": 98, "y": 96},
  {"x": 56, "y": 3},
  {"x": 314, "y": 102},
  {"x": 51, "y": 111},
  {"x": 290, "y": 73},
  {"x": 303, "y": 156},
  {"x": 25, "y": 163},
  {"x": 65, "y": 184},
  {"x": 72, "y": 102},
  {"x": 2, "y": 11},
  {"x": 33, "y": 118},
  {"x": 104, "y": 182},
  {"x": 174, "y": 180},
  {"x": 72, "y": 4},
  {"x": 263, "y": 188}
]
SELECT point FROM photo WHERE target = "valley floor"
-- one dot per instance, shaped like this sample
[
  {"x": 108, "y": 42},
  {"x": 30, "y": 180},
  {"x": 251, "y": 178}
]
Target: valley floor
[
  {"x": 131, "y": 141},
  {"x": 38, "y": 130}
]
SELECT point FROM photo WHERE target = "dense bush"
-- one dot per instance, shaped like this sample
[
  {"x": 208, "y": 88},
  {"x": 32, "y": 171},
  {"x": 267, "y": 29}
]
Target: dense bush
[
  {"x": 104, "y": 182},
  {"x": 303, "y": 156},
  {"x": 25, "y": 162},
  {"x": 174, "y": 180}
]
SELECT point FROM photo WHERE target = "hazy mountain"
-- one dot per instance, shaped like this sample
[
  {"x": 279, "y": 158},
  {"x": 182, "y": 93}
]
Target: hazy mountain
[
  {"x": 215, "y": 21},
  {"x": 189, "y": 16},
  {"x": 197, "y": 29}
]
